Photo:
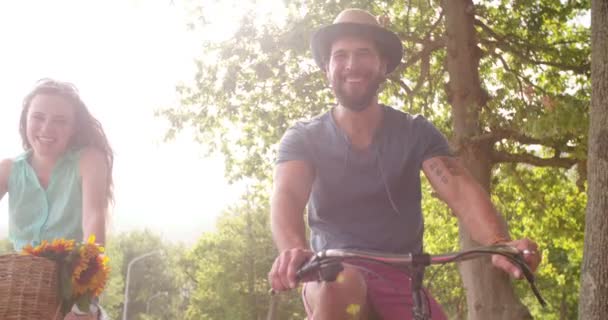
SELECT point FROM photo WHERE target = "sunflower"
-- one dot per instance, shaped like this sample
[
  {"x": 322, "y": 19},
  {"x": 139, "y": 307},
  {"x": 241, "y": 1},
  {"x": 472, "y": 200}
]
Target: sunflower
[
  {"x": 91, "y": 270},
  {"x": 93, "y": 278},
  {"x": 84, "y": 264}
]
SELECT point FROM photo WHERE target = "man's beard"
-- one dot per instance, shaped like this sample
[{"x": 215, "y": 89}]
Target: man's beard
[{"x": 358, "y": 101}]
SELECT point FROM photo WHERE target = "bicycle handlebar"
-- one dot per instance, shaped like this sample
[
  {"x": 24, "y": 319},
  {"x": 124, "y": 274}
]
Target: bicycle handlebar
[{"x": 325, "y": 265}]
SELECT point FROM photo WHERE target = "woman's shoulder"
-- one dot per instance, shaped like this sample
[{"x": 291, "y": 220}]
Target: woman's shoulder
[
  {"x": 6, "y": 165},
  {"x": 10, "y": 165}
]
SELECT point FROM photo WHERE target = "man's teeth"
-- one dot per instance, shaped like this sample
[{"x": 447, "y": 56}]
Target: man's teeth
[{"x": 354, "y": 79}]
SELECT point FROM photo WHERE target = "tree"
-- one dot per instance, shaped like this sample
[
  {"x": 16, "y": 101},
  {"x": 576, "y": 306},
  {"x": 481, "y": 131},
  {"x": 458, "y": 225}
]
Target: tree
[
  {"x": 518, "y": 90},
  {"x": 154, "y": 274},
  {"x": 489, "y": 292},
  {"x": 230, "y": 265},
  {"x": 545, "y": 204},
  {"x": 594, "y": 275},
  {"x": 6, "y": 246},
  {"x": 467, "y": 97}
]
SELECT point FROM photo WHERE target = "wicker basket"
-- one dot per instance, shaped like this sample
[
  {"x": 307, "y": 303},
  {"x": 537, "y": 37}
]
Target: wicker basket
[{"x": 28, "y": 288}]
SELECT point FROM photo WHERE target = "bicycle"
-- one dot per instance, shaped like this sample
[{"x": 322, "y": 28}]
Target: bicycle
[{"x": 327, "y": 264}]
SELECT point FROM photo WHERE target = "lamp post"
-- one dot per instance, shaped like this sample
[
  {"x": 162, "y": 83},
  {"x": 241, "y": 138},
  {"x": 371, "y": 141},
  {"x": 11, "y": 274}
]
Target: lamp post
[
  {"x": 126, "y": 299},
  {"x": 154, "y": 296}
]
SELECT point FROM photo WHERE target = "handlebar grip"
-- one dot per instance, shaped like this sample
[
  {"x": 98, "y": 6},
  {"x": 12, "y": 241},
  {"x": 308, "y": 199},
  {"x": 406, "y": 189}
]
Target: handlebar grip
[
  {"x": 319, "y": 271},
  {"x": 329, "y": 272},
  {"x": 306, "y": 269}
]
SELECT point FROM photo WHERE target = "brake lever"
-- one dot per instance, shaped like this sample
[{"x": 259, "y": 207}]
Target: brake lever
[
  {"x": 529, "y": 275},
  {"x": 515, "y": 256},
  {"x": 518, "y": 258}
]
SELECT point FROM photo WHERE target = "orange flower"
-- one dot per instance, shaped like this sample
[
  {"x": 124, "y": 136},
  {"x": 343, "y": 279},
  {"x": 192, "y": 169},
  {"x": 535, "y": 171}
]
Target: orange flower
[
  {"x": 27, "y": 250},
  {"x": 91, "y": 271},
  {"x": 88, "y": 267},
  {"x": 61, "y": 246},
  {"x": 93, "y": 278},
  {"x": 37, "y": 250}
]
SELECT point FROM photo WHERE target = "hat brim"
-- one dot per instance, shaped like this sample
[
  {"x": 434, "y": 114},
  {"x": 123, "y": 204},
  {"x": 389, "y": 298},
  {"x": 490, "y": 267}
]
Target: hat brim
[{"x": 388, "y": 42}]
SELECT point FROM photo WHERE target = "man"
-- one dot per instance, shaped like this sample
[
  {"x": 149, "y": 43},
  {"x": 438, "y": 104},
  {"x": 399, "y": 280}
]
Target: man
[{"x": 358, "y": 167}]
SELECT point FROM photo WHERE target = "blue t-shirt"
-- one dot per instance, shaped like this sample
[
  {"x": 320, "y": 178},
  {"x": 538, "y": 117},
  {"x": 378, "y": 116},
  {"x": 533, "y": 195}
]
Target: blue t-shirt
[{"x": 365, "y": 199}]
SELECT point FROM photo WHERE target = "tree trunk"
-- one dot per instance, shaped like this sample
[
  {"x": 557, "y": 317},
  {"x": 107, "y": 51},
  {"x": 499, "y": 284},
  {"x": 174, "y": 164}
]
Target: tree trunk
[
  {"x": 593, "y": 303},
  {"x": 489, "y": 291},
  {"x": 250, "y": 261},
  {"x": 563, "y": 306}
]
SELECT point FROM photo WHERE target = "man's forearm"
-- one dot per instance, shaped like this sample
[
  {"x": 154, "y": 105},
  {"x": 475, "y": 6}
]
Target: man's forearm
[
  {"x": 287, "y": 224},
  {"x": 479, "y": 216},
  {"x": 469, "y": 201}
]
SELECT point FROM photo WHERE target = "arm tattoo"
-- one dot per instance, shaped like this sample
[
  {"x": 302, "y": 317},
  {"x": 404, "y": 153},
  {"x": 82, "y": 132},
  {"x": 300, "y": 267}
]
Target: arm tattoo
[
  {"x": 445, "y": 167},
  {"x": 452, "y": 165}
]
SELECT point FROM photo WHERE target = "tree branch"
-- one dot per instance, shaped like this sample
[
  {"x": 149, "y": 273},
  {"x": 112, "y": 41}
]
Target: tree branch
[
  {"x": 423, "y": 55},
  {"x": 508, "y": 69},
  {"x": 407, "y": 16},
  {"x": 498, "y": 134},
  {"x": 406, "y": 37},
  {"x": 503, "y": 44},
  {"x": 434, "y": 25},
  {"x": 396, "y": 79},
  {"x": 428, "y": 48},
  {"x": 191, "y": 277},
  {"x": 505, "y": 157},
  {"x": 517, "y": 75}
]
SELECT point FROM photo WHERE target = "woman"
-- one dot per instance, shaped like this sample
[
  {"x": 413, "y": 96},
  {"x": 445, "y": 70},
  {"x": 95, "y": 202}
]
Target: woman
[{"x": 61, "y": 186}]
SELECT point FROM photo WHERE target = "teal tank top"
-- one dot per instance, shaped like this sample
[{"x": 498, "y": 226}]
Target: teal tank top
[{"x": 36, "y": 214}]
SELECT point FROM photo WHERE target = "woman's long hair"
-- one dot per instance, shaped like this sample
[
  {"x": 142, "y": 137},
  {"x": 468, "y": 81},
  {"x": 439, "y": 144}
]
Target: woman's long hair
[{"x": 88, "y": 131}]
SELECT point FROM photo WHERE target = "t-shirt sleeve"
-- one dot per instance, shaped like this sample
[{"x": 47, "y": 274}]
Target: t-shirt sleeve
[
  {"x": 294, "y": 146},
  {"x": 432, "y": 141}
]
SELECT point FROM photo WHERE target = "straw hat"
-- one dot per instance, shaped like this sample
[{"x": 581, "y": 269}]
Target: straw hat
[{"x": 357, "y": 22}]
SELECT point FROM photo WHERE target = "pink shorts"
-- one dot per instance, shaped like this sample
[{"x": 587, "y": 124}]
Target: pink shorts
[{"x": 388, "y": 293}]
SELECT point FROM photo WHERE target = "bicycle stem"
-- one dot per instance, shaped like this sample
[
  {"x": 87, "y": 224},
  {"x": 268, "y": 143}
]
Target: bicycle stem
[{"x": 420, "y": 309}]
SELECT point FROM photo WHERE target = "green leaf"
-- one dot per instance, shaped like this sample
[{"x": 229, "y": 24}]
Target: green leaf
[
  {"x": 65, "y": 281},
  {"x": 84, "y": 303}
]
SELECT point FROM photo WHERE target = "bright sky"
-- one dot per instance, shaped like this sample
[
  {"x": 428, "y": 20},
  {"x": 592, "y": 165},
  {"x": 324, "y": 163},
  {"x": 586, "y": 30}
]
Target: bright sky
[{"x": 126, "y": 58}]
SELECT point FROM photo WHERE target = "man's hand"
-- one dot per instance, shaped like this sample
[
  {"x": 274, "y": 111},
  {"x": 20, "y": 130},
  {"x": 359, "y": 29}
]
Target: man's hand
[
  {"x": 531, "y": 254},
  {"x": 282, "y": 276}
]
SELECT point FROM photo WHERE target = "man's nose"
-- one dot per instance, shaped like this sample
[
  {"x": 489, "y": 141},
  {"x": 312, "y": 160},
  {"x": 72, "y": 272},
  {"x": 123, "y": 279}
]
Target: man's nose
[{"x": 351, "y": 62}]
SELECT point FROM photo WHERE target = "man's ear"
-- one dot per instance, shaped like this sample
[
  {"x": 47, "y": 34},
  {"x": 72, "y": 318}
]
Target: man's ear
[
  {"x": 384, "y": 66},
  {"x": 326, "y": 70}
]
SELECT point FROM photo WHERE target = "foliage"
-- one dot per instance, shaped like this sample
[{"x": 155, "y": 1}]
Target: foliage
[
  {"x": 441, "y": 236},
  {"x": 6, "y": 246},
  {"x": 229, "y": 267},
  {"x": 149, "y": 276},
  {"x": 547, "y": 206},
  {"x": 251, "y": 87},
  {"x": 540, "y": 203}
]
